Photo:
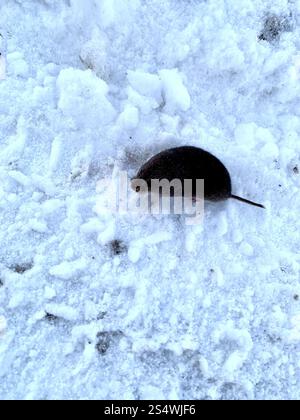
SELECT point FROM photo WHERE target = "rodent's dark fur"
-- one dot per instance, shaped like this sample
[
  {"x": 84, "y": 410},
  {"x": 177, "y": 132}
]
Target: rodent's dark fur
[{"x": 191, "y": 163}]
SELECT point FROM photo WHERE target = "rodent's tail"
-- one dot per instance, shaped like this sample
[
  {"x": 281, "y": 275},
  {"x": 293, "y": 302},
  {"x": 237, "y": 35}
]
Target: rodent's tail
[{"x": 243, "y": 200}]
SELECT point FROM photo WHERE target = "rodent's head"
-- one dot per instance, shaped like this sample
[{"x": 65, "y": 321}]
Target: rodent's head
[{"x": 139, "y": 185}]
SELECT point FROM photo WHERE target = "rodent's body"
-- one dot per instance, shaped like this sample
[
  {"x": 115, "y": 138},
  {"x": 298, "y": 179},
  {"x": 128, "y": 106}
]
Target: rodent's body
[{"x": 193, "y": 163}]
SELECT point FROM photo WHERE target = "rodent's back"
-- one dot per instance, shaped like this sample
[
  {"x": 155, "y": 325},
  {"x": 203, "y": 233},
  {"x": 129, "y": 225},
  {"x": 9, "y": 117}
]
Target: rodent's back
[{"x": 190, "y": 163}]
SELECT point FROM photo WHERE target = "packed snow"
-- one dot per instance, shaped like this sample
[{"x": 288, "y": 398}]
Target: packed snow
[{"x": 99, "y": 305}]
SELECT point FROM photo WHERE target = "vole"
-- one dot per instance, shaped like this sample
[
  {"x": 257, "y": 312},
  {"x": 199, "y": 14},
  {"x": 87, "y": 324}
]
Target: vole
[{"x": 189, "y": 162}]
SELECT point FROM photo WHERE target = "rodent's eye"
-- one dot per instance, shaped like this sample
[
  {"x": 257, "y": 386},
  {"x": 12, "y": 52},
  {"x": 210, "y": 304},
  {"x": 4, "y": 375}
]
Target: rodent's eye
[{"x": 137, "y": 189}]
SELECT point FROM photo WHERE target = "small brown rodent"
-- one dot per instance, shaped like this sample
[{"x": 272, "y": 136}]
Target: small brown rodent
[{"x": 191, "y": 163}]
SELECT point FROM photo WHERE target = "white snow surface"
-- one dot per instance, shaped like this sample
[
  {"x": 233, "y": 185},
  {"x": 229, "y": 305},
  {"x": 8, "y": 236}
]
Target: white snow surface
[{"x": 181, "y": 312}]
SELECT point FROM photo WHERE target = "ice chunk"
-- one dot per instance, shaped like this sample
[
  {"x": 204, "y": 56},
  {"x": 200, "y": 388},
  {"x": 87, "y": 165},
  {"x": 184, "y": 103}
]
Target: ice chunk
[
  {"x": 145, "y": 104},
  {"x": 67, "y": 270},
  {"x": 62, "y": 311},
  {"x": 83, "y": 98},
  {"x": 20, "y": 178},
  {"x": 176, "y": 94},
  {"x": 129, "y": 118},
  {"x": 146, "y": 84},
  {"x": 17, "y": 65},
  {"x": 55, "y": 155},
  {"x": 94, "y": 54}
]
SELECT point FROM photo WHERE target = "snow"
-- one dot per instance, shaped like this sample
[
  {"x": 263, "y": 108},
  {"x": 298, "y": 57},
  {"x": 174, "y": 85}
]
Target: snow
[
  {"x": 3, "y": 324},
  {"x": 108, "y": 305}
]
